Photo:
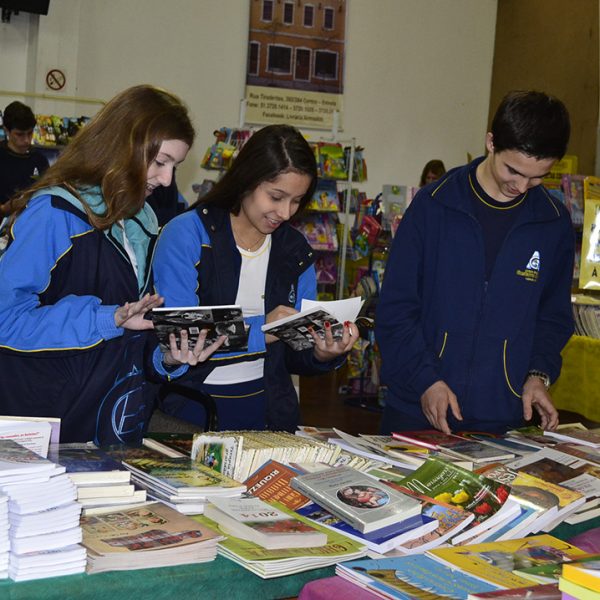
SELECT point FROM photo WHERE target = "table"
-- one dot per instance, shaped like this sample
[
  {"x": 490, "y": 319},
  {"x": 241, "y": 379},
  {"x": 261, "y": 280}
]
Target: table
[
  {"x": 220, "y": 579},
  {"x": 217, "y": 580}
]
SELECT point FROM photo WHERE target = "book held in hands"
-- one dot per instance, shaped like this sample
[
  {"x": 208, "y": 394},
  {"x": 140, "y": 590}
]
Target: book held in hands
[
  {"x": 295, "y": 329},
  {"x": 225, "y": 320}
]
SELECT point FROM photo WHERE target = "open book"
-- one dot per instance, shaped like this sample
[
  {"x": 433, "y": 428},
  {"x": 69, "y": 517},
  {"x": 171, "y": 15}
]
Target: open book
[
  {"x": 219, "y": 320},
  {"x": 294, "y": 330}
]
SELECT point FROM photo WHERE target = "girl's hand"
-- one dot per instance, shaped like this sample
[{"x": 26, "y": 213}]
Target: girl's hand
[
  {"x": 186, "y": 354},
  {"x": 277, "y": 313},
  {"x": 131, "y": 314},
  {"x": 327, "y": 348}
]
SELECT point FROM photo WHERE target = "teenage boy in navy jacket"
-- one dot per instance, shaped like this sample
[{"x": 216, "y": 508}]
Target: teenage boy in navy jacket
[{"x": 475, "y": 306}]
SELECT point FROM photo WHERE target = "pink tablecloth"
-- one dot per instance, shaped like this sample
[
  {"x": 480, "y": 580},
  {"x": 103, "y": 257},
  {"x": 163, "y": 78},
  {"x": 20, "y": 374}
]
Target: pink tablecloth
[{"x": 331, "y": 588}]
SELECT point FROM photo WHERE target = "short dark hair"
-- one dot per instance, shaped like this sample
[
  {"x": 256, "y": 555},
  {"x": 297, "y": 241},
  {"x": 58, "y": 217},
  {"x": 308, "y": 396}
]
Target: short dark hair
[
  {"x": 270, "y": 152},
  {"x": 533, "y": 123},
  {"x": 18, "y": 116}
]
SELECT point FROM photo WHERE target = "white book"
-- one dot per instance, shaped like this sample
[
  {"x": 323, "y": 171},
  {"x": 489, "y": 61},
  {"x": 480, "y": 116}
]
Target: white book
[
  {"x": 34, "y": 435},
  {"x": 362, "y": 501},
  {"x": 56, "y": 556},
  {"x": 251, "y": 519},
  {"x": 134, "y": 498},
  {"x": 48, "y": 541},
  {"x": 108, "y": 491}
]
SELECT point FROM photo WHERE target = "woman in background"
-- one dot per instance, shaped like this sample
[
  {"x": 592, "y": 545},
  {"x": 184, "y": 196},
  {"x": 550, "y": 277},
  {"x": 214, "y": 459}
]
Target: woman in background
[
  {"x": 75, "y": 278},
  {"x": 432, "y": 171},
  {"x": 236, "y": 246}
]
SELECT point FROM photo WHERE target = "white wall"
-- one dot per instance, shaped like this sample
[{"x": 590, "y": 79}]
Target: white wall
[{"x": 417, "y": 80}]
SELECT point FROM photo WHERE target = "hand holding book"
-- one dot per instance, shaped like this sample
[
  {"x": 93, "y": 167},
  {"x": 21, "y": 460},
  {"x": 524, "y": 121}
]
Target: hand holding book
[{"x": 327, "y": 327}]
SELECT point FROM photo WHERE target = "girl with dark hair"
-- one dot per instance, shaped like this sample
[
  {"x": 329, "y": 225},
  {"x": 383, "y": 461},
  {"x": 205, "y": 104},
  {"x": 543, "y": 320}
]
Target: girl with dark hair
[
  {"x": 236, "y": 247},
  {"x": 75, "y": 278}
]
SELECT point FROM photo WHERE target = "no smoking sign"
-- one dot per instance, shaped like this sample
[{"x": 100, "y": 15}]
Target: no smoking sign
[{"x": 55, "y": 79}]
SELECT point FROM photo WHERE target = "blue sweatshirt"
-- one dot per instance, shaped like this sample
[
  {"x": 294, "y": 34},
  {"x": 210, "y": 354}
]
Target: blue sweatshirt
[
  {"x": 439, "y": 318},
  {"x": 61, "y": 353}
]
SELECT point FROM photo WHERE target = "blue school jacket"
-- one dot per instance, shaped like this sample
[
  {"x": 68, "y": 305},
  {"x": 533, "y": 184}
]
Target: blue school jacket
[
  {"x": 197, "y": 263},
  {"x": 439, "y": 319},
  {"x": 61, "y": 354}
]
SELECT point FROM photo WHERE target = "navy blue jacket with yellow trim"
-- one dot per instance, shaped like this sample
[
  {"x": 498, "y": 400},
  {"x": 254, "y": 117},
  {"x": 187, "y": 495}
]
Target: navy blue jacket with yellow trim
[
  {"x": 61, "y": 353},
  {"x": 439, "y": 319},
  {"x": 197, "y": 263}
]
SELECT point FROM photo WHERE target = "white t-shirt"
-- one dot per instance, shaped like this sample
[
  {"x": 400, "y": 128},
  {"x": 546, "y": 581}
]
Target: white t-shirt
[{"x": 251, "y": 297}]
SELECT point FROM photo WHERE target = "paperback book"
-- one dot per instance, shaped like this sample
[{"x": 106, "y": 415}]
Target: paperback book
[
  {"x": 174, "y": 445},
  {"x": 454, "y": 445},
  {"x": 183, "y": 476},
  {"x": 494, "y": 562},
  {"x": 145, "y": 537},
  {"x": 216, "y": 452},
  {"x": 250, "y": 518},
  {"x": 86, "y": 464},
  {"x": 362, "y": 501},
  {"x": 226, "y": 320},
  {"x": 285, "y": 561},
  {"x": 295, "y": 329},
  {"x": 381, "y": 540},
  {"x": 449, "y": 483},
  {"x": 414, "y": 576},
  {"x": 272, "y": 483}
]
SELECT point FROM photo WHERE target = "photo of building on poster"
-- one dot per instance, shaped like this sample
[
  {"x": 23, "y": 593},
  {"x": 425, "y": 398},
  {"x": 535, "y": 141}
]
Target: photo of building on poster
[{"x": 295, "y": 71}]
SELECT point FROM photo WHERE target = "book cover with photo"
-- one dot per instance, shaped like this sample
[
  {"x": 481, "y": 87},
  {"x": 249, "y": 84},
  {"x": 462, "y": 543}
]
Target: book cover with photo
[
  {"x": 217, "y": 452},
  {"x": 362, "y": 501},
  {"x": 294, "y": 329},
  {"x": 225, "y": 320}
]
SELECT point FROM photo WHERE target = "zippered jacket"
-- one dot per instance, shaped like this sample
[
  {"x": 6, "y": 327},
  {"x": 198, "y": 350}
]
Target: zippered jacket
[
  {"x": 439, "y": 319},
  {"x": 197, "y": 263},
  {"x": 61, "y": 353}
]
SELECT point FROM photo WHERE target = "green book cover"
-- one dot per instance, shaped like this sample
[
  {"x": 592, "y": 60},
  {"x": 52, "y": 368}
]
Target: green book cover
[{"x": 449, "y": 483}]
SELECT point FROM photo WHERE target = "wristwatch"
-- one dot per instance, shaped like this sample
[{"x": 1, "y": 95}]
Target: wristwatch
[{"x": 540, "y": 375}]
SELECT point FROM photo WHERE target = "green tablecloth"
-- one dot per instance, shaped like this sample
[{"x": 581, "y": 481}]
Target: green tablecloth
[{"x": 221, "y": 579}]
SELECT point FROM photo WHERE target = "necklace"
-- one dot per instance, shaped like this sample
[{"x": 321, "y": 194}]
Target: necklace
[{"x": 244, "y": 244}]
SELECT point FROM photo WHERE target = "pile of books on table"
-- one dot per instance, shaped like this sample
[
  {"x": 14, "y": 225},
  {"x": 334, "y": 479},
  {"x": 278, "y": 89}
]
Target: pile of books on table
[
  {"x": 144, "y": 537},
  {"x": 100, "y": 479},
  {"x": 44, "y": 531}
]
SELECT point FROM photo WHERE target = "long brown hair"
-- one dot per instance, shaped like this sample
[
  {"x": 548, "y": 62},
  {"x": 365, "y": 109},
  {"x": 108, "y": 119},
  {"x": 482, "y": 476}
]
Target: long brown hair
[{"x": 115, "y": 149}]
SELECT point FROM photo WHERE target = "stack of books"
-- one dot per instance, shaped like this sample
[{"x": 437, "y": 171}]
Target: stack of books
[
  {"x": 145, "y": 537},
  {"x": 181, "y": 483},
  {"x": 42, "y": 513},
  {"x": 580, "y": 579},
  {"x": 268, "y": 563},
  {"x": 249, "y": 518},
  {"x": 101, "y": 481}
]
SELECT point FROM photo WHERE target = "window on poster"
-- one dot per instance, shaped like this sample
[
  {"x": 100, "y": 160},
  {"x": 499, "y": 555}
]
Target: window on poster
[
  {"x": 279, "y": 59},
  {"x": 309, "y": 16},
  {"x": 288, "y": 13},
  {"x": 267, "y": 10}
]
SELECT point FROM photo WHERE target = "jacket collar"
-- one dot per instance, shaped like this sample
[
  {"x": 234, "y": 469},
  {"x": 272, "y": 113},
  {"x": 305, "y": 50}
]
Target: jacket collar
[{"x": 454, "y": 191}]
